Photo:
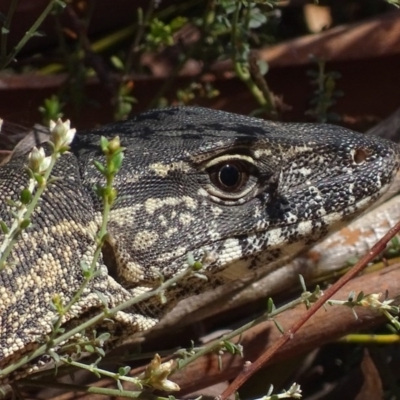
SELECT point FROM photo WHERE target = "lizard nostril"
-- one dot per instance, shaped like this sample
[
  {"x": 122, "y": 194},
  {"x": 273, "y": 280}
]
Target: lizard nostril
[{"x": 360, "y": 155}]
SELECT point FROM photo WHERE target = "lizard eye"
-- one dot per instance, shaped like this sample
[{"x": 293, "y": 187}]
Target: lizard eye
[
  {"x": 229, "y": 176},
  {"x": 232, "y": 177}
]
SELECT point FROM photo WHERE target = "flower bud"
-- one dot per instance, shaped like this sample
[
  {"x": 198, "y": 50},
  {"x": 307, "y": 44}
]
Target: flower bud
[
  {"x": 37, "y": 160},
  {"x": 61, "y": 133}
]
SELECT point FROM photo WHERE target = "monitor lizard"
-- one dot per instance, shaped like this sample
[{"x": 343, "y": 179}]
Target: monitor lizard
[{"x": 250, "y": 193}]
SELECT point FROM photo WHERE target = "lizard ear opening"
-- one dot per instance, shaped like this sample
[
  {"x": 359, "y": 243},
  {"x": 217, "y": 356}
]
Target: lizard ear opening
[{"x": 360, "y": 155}]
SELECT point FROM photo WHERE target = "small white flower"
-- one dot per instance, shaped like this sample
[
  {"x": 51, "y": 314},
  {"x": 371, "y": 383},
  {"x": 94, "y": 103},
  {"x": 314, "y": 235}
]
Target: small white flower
[
  {"x": 294, "y": 391},
  {"x": 37, "y": 160},
  {"x": 61, "y": 133},
  {"x": 372, "y": 300},
  {"x": 156, "y": 375}
]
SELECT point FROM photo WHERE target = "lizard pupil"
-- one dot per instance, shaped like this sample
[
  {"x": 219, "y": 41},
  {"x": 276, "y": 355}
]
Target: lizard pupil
[{"x": 229, "y": 176}]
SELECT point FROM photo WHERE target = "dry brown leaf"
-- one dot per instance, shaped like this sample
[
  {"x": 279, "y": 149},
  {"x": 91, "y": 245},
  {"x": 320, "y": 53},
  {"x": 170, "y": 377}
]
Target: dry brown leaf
[{"x": 372, "y": 386}]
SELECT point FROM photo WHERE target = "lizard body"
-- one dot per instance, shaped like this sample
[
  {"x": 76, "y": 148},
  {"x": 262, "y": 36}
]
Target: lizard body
[{"x": 242, "y": 192}]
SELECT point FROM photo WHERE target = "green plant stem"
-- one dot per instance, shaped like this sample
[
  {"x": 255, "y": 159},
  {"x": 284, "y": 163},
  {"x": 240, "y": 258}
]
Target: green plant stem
[
  {"x": 91, "y": 389},
  {"x": 96, "y": 370},
  {"x": 244, "y": 75},
  {"x": 241, "y": 70},
  {"x": 217, "y": 344},
  {"x": 92, "y": 321},
  {"x": 16, "y": 229},
  {"x": 89, "y": 275},
  {"x": 6, "y": 28},
  {"x": 8, "y": 59},
  {"x": 141, "y": 26}
]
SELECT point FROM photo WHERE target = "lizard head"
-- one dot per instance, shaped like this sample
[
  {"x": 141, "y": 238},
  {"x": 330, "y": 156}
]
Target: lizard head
[{"x": 239, "y": 192}]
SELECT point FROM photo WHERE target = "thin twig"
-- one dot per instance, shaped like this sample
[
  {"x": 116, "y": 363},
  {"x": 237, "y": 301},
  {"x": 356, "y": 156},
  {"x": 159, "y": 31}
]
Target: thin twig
[
  {"x": 6, "y": 28},
  {"x": 237, "y": 332},
  {"x": 7, "y": 60},
  {"x": 91, "y": 389},
  {"x": 288, "y": 335}
]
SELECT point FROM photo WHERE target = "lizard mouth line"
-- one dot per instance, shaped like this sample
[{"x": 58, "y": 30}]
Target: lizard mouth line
[{"x": 303, "y": 227}]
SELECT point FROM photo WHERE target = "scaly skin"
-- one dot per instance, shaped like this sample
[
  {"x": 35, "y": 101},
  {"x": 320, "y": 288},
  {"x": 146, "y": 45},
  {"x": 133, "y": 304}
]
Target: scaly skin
[{"x": 242, "y": 192}]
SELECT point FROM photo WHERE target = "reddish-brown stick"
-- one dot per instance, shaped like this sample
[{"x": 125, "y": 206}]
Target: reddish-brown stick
[{"x": 361, "y": 264}]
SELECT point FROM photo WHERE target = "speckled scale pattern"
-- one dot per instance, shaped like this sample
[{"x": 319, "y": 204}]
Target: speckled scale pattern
[{"x": 307, "y": 183}]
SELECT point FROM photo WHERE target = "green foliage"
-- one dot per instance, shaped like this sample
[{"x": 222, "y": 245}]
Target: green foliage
[
  {"x": 51, "y": 109},
  {"x": 7, "y": 58},
  {"x": 390, "y": 311},
  {"x": 325, "y": 94},
  {"x": 124, "y": 101},
  {"x": 162, "y": 34},
  {"x": 222, "y": 30}
]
